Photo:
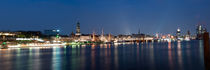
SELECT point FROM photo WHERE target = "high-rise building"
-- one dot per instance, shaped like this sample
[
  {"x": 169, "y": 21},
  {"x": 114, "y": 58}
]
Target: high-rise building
[
  {"x": 78, "y": 29},
  {"x": 199, "y": 31}
]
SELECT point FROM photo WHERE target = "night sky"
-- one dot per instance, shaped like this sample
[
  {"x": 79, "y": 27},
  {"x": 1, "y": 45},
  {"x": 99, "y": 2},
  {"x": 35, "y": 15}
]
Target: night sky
[{"x": 114, "y": 16}]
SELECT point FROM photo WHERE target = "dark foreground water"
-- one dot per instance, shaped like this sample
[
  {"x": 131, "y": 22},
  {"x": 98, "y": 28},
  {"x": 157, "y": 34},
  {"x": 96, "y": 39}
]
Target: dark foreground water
[{"x": 150, "y": 56}]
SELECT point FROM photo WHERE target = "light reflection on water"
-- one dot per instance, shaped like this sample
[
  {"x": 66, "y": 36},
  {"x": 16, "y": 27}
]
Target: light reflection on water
[
  {"x": 179, "y": 52},
  {"x": 146, "y": 56}
]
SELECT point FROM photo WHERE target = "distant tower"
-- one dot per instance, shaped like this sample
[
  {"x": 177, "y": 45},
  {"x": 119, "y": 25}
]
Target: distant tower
[
  {"x": 178, "y": 33},
  {"x": 102, "y": 35},
  {"x": 94, "y": 39},
  {"x": 199, "y": 31},
  {"x": 78, "y": 29},
  {"x": 187, "y": 37},
  {"x": 72, "y": 34},
  {"x": 109, "y": 37},
  {"x": 188, "y": 32},
  {"x": 102, "y": 32},
  {"x": 157, "y": 35},
  {"x": 139, "y": 31}
]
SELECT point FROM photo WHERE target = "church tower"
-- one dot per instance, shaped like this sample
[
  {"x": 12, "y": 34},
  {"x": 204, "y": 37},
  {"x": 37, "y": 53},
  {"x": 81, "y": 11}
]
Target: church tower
[{"x": 78, "y": 29}]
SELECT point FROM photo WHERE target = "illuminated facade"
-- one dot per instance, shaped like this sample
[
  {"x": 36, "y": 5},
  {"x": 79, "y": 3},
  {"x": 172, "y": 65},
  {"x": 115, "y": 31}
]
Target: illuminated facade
[
  {"x": 199, "y": 31},
  {"x": 8, "y": 36},
  {"x": 187, "y": 37},
  {"x": 178, "y": 34},
  {"x": 78, "y": 29},
  {"x": 53, "y": 32}
]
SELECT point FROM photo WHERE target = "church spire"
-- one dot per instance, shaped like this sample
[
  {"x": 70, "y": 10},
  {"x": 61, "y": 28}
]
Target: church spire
[
  {"x": 102, "y": 32},
  {"x": 78, "y": 28},
  {"x": 139, "y": 30}
]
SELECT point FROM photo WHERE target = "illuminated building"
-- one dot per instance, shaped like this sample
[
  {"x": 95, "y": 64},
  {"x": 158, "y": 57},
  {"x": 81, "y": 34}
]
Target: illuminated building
[
  {"x": 94, "y": 39},
  {"x": 178, "y": 34},
  {"x": 7, "y": 36},
  {"x": 134, "y": 38},
  {"x": 187, "y": 37},
  {"x": 20, "y": 35},
  {"x": 29, "y": 39},
  {"x": 81, "y": 38},
  {"x": 53, "y": 32},
  {"x": 85, "y": 37},
  {"x": 157, "y": 35},
  {"x": 102, "y": 37},
  {"x": 199, "y": 31},
  {"x": 78, "y": 37},
  {"x": 7, "y": 33},
  {"x": 29, "y": 34},
  {"x": 78, "y": 29}
]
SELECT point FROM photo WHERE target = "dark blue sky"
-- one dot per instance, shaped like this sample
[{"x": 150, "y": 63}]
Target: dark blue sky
[{"x": 115, "y": 16}]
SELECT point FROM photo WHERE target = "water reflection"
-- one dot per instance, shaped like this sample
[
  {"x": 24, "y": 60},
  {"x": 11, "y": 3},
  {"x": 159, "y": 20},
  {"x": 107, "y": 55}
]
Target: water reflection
[
  {"x": 36, "y": 63},
  {"x": 170, "y": 57},
  {"x": 179, "y": 52},
  {"x": 152, "y": 56},
  {"x": 201, "y": 52},
  {"x": 18, "y": 58},
  {"x": 137, "y": 56},
  {"x": 5, "y": 62},
  {"x": 93, "y": 51},
  {"x": 116, "y": 58},
  {"x": 56, "y": 59}
]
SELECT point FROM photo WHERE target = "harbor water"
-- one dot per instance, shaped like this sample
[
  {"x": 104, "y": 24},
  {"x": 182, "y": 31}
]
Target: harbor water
[{"x": 185, "y": 55}]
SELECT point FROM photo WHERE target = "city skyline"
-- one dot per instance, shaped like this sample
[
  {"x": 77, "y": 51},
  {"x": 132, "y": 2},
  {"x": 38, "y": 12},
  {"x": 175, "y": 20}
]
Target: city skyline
[
  {"x": 104, "y": 34},
  {"x": 116, "y": 17},
  {"x": 100, "y": 29}
]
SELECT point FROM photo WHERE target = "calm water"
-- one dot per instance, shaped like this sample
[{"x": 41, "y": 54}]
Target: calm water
[{"x": 150, "y": 56}]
